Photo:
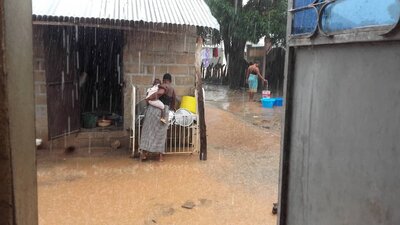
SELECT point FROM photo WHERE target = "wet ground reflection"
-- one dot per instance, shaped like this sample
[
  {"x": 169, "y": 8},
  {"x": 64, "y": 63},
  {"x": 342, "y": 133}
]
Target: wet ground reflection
[
  {"x": 236, "y": 102},
  {"x": 236, "y": 185}
]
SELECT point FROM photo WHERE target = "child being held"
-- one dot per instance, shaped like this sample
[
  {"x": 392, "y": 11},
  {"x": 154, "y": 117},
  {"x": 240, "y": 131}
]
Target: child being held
[{"x": 156, "y": 103}]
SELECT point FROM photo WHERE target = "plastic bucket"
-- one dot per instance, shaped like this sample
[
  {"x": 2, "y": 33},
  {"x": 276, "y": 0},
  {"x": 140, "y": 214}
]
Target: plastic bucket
[
  {"x": 189, "y": 103},
  {"x": 89, "y": 120},
  {"x": 267, "y": 102},
  {"x": 266, "y": 94}
]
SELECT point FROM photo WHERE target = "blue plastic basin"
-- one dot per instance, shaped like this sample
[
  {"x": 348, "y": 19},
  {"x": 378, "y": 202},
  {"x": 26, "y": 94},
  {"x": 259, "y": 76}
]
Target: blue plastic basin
[
  {"x": 278, "y": 101},
  {"x": 267, "y": 102}
]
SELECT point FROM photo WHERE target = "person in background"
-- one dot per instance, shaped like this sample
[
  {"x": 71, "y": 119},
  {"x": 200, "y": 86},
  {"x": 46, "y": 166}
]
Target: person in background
[{"x": 252, "y": 76}]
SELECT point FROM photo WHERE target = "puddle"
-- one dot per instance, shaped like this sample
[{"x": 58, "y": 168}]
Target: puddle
[{"x": 236, "y": 185}]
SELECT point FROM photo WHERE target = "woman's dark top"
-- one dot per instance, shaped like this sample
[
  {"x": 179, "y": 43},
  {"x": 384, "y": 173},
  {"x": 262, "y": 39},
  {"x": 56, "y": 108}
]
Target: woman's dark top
[
  {"x": 169, "y": 97},
  {"x": 166, "y": 100}
]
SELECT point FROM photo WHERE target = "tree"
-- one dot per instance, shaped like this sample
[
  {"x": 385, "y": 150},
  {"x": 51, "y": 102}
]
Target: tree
[{"x": 239, "y": 24}]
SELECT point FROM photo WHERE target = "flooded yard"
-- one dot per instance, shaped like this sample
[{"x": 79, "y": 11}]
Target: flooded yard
[{"x": 236, "y": 185}]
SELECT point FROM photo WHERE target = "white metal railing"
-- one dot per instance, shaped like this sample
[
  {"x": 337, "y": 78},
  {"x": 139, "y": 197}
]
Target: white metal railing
[
  {"x": 182, "y": 134},
  {"x": 132, "y": 138}
]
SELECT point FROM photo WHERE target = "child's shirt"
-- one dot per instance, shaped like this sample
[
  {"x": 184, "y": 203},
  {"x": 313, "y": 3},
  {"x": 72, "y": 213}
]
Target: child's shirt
[{"x": 152, "y": 90}]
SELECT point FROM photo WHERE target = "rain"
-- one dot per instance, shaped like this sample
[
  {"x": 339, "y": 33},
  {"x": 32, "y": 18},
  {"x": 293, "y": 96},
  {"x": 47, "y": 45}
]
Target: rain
[{"x": 97, "y": 72}]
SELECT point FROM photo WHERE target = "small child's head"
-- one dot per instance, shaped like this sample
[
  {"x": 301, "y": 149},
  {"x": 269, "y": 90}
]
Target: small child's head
[{"x": 156, "y": 81}]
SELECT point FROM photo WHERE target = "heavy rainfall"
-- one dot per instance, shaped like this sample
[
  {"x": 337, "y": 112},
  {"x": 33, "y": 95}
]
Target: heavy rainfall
[
  {"x": 200, "y": 112},
  {"x": 93, "y": 78}
]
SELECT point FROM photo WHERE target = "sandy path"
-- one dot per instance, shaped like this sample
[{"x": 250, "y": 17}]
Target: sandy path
[{"x": 236, "y": 185}]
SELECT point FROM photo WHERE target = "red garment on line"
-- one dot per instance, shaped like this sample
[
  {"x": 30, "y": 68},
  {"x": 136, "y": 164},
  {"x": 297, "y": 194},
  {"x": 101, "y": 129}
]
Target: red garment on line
[{"x": 215, "y": 52}]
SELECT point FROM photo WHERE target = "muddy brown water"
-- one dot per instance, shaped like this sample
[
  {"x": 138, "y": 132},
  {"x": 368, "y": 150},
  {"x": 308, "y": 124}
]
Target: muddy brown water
[
  {"x": 236, "y": 102},
  {"x": 236, "y": 185}
]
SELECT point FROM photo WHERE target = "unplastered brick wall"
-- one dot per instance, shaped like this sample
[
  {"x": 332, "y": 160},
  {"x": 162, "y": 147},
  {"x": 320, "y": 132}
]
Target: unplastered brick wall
[
  {"x": 149, "y": 54},
  {"x": 39, "y": 74}
]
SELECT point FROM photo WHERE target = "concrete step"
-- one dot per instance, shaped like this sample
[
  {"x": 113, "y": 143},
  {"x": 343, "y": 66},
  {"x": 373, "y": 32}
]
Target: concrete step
[{"x": 91, "y": 139}]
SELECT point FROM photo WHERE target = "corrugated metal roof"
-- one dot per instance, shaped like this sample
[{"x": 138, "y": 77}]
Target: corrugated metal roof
[{"x": 181, "y": 12}]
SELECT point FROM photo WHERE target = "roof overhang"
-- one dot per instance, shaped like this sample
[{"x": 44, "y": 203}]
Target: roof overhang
[{"x": 121, "y": 13}]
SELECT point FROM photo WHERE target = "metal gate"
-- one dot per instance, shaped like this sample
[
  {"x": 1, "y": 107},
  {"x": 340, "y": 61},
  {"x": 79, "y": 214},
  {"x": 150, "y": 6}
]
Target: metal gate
[
  {"x": 341, "y": 128},
  {"x": 180, "y": 139}
]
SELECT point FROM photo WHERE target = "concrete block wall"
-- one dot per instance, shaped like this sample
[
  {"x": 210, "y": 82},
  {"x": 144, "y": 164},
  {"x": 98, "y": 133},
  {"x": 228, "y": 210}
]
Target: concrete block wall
[
  {"x": 146, "y": 55},
  {"x": 39, "y": 77},
  {"x": 149, "y": 55}
]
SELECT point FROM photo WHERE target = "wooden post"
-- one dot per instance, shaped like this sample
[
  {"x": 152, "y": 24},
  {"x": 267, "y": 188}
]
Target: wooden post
[
  {"x": 200, "y": 100},
  {"x": 264, "y": 62},
  {"x": 267, "y": 49}
]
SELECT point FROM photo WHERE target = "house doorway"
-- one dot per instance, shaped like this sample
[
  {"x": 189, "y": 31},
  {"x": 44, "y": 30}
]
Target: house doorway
[
  {"x": 61, "y": 81},
  {"x": 84, "y": 78},
  {"x": 100, "y": 75}
]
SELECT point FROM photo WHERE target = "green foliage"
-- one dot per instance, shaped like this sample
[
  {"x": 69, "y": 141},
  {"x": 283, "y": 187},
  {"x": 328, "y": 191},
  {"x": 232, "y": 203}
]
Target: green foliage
[
  {"x": 277, "y": 17},
  {"x": 256, "y": 19},
  {"x": 239, "y": 24}
]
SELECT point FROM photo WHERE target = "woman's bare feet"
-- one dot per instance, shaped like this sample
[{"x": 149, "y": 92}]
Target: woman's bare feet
[{"x": 161, "y": 159}]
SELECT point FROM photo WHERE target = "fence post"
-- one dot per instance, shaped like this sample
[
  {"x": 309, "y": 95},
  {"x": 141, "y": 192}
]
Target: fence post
[{"x": 200, "y": 100}]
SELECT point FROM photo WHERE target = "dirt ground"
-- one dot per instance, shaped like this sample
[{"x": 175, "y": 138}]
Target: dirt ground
[{"x": 236, "y": 185}]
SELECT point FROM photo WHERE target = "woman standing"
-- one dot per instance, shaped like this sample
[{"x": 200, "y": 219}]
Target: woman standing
[
  {"x": 154, "y": 132},
  {"x": 252, "y": 76}
]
